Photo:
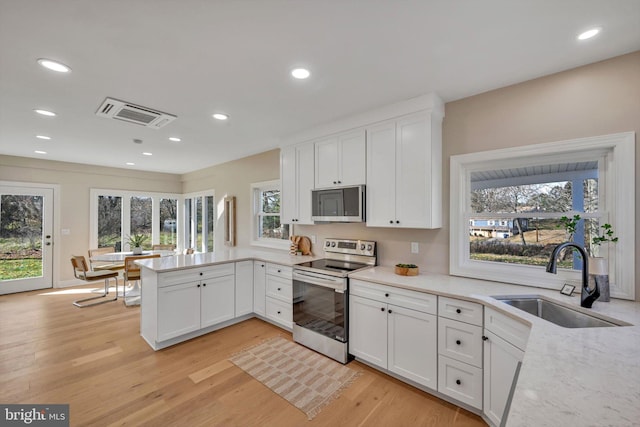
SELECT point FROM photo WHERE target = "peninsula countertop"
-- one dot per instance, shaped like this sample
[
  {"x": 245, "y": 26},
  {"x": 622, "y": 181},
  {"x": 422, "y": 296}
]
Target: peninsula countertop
[
  {"x": 571, "y": 377},
  {"x": 179, "y": 262}
]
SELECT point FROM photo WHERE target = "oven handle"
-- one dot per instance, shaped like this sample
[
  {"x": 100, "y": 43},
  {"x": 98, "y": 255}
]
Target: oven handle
[{"x": 338, "y": 284}]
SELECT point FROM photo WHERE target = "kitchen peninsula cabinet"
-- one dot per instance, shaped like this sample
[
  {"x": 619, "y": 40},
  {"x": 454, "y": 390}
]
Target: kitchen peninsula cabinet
[
  {"x": 190, "y": 300},
  {"x": 297, "y": 181},
  {"x": 259, "y": 286},
  {"x": 341, "y": 160},
  {"x": 244, "y": 288},
  {"x": 404, "y": 168}
]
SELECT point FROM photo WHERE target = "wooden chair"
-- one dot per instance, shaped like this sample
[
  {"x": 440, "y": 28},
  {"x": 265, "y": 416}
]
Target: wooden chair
[
  {"x": 163, "y": 247},
  {"x": 103, "y": 265},
  {"x": 132, "y": 273},
  {"x": 81, "y": 271}
]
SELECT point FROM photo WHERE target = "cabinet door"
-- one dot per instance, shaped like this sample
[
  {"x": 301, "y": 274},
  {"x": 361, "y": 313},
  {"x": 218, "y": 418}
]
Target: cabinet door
[
  {"x": 413, "y": 351},
  {"x": 305, "y": 182},
  {"x": 288, "y": 187},
  {"x": 413, "y": 184},
  {"x": 352, "y": 159},
  {"x": 368, "y": 330},
  {"x": 500, "y": 365},
  {"x": 244, "y": 288},
  {"x": 381, "y": 183},
  {"x": 178, "y": 310},
  {"x": 326, "y": 163},
  {"x": 259, "y": 285},
  {"x": 217, "y": 300}
]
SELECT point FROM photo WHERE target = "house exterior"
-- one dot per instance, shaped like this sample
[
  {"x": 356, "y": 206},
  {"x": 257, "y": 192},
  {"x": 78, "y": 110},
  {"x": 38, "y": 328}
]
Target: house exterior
[{"x": 497, "y": 228}]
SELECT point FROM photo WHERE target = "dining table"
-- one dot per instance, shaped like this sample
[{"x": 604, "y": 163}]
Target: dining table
[{"x": 134, "y": 291}]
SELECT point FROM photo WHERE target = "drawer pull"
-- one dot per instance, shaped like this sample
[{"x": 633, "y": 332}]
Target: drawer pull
[
  {"x": 458, "y": 382},
  {"x": 390, "y": 311},
  {"x": 458, "y": 342},
  {"x": 485, "y": 338},
  {"x": 201, "y": 273},
  {"x": 204, "y": 284},
  {"x": 458, "y": 311},
  {"x": 278, "y": 312},
  {"x": 381, "y": 308},
  {"x": 386, "y": 295},
  {"x": 279, "y": 289},
  {"x": 279, "y": 271},
  {"x": 198, "y": 285}
]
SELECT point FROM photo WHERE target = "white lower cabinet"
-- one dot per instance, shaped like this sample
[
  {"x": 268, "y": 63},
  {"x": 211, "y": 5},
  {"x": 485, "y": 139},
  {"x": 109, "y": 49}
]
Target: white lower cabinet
[
  {"x": 502, "y": 355},
  {"x": 460, "y": 380},
  {"x": 259, "y": 286},
  {"x": 244, "y": 288},
  {"x": 194, "y": 299},
  {"x": 393, "y": 337},
  {"x": 279, "y": 294}
]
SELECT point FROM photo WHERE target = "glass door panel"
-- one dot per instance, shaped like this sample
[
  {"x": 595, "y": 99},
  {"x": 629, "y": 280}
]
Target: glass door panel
[{"x": 26, "y": 238}]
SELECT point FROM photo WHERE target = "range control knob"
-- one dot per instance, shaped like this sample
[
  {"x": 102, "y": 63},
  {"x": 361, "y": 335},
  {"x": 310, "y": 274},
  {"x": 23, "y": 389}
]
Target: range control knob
[
  {"x": 333, "y": 244},
  {"x": 369, "y": 247},
  {"x": 328, "y": 243},
  {"x": 362, "y": 247}
]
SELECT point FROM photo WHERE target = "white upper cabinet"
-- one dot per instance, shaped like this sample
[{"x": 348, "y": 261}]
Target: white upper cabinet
[
  {"x": 296, "y": 172},
  {"x": 404, "y": 172},
  {"x": 340, "y": 160}
]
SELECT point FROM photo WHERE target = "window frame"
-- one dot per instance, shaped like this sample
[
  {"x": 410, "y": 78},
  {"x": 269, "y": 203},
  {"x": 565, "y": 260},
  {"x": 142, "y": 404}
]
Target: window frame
[
  {"x": 126, "y": 214},
  {"x": 616, "y": 183},
  {"x": 186, "y": 225},
  {"x": 256, "y": 189}
]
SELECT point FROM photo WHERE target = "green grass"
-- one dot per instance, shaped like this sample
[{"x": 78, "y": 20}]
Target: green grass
[{"x": 20, "y": 268}]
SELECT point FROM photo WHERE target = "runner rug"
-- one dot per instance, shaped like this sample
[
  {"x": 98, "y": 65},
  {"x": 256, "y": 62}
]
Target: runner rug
[{"x": 306, "y": 379}]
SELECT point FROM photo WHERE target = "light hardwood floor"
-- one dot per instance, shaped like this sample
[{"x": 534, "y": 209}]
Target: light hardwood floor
[{"x": 95, "y": 360}]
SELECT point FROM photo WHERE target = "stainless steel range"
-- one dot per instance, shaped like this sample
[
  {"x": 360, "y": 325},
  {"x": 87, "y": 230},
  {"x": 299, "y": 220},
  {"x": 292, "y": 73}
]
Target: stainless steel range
[{"x": 321, "y": 292}]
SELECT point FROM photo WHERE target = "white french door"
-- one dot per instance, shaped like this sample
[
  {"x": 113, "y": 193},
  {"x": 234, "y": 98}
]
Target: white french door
[{"x": 26, "y": 238}]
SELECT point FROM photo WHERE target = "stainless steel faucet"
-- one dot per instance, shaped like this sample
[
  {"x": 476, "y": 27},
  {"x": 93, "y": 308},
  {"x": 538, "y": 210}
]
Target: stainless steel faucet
[{"x": 587, "y": 296}]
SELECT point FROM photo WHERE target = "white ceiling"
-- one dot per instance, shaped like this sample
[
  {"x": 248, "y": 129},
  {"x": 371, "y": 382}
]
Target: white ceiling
[{"x": 192, "y": 58}]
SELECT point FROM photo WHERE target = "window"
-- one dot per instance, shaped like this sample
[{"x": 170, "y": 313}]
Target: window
[
  {"x": 199, "y": 221},
  {"x": 117, "y": 214},
  {"x": 266, "y": 227},
  {"x": 505, "y": 219}
]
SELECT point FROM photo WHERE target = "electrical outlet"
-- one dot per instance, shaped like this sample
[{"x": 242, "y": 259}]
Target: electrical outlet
[
  {"x": 415, "y": 247},
  {"x": 313, "y": 239}
]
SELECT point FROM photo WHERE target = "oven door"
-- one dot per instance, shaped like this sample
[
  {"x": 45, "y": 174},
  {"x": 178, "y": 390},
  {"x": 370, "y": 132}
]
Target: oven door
[{"x": 320, "y": 304}]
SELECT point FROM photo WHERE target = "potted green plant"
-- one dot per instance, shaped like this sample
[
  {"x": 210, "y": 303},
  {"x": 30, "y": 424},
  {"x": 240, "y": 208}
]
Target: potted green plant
[
  {"x": 598, "y": 266},
  {"x": 136, "y": 241}
]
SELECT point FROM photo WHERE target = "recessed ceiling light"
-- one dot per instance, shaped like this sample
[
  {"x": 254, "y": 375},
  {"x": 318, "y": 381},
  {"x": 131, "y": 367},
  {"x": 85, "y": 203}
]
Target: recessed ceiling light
[
  {"x": 146, "y": 153},
  {"x": 174, "y": 139},
  {"x": 300, "y": 73},
  {"x": 220, "y": 116},
  {"x": 40, "y": 152},
  {"x": 589, "y": 33},
  {"x": 130, "y": 164},
  {"x": 54, "y": 65},
  {"x": 45, "y": 113},
  {"x": 43, "y": 137}
]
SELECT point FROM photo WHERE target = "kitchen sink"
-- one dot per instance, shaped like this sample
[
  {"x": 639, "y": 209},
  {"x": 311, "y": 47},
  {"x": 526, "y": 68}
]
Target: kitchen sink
[{"x": 554, "y": 313}]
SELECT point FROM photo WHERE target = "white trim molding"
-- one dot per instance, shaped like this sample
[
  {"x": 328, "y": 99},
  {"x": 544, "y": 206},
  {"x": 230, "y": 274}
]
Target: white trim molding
[{"x": 616, "y": 155}]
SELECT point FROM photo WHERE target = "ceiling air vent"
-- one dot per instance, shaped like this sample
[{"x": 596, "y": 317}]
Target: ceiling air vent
[{"x": 132, "y": 113}]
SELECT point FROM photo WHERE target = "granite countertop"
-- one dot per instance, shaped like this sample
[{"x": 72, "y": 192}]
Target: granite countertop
[
  {"x": 572, "y": 377},
  {"x": 180, "y": 262}
]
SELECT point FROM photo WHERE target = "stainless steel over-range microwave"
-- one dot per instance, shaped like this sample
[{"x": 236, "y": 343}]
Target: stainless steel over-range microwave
[{"x": 338, "y": 204}]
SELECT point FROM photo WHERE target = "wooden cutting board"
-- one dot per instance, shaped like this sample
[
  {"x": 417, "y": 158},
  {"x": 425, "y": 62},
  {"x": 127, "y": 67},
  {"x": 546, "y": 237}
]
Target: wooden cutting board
[{"x": 304, "y": 245}]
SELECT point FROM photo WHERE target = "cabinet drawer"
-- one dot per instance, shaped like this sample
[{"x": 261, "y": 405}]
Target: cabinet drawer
[
  {"x": 460, "y": 341},
  {"x": 419, "y": 301},
  {"x": 461, "y": 381},
  {"x": 281, "y": 289},
  {"x": 194, "y": 274},
  {"x": 509, "y": 329},
  {"x": 464, "y": 311},
  {"x": 280, "y": 312},
  {"x": 280, "y": 270}
]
